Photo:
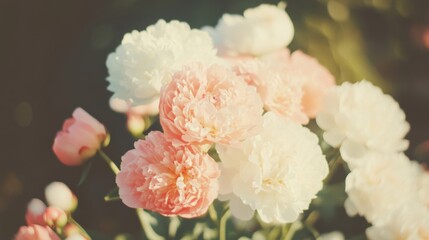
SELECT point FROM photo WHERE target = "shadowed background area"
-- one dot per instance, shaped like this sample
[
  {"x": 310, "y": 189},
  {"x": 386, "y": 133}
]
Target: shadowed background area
[{"x": 53, "y": 60}]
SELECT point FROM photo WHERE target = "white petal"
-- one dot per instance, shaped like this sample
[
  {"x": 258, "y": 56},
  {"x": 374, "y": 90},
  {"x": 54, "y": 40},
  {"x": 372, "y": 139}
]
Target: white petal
[{"x": 240, "y": 210}]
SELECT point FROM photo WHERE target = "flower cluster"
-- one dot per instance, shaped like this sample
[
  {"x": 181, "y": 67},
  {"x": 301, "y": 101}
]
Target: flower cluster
[
  {"x": 52, "y": 222},
  {"x": 219, "y": 100},
  {"x": 384, "y": 186},
  {"x": 234, "y": 106}
]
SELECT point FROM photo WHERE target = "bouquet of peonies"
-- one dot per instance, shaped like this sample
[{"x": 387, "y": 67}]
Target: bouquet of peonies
[{"x": 239, "y": 154}]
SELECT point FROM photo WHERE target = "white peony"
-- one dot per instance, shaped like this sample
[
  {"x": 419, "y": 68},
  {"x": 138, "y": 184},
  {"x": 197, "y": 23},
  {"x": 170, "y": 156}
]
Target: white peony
[
  {"x": 410, "y": 222},
  {"x": 359, "y": 118},
  {"x": 260, "y": 30},
  {"x": 380, "y": 184},
  {"x": 140, "y": 65},
  {"x": 277, "y": 172},
  {"x": 423, "y": 186}
]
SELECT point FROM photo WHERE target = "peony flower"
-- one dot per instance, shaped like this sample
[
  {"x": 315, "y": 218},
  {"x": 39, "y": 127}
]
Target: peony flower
[
  {"x": 259, "y": 31},
  {"x": 170, "y": 180},
  {"x": 59, "y": 195},
  {"x": 36, "y": 232},
  {"x": 359, "y": 118},
  {"x": 277, "y": 172},
  {"x": 204, "y": 105},
  {"x": 280, "y": 91},
  {"x": 379, "y": 184},
  {"x": 35, "y": 210},
  {"x": 410, "y": 222},
  {"x": 142, "y": 62},
  {"x": 80, "y": 138},
  {"x": 316, "y": 80}
]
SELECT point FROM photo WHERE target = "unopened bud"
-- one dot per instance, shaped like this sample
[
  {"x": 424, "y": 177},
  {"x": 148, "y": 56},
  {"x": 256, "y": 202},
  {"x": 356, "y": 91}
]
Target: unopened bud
[
  {"x": 135, "y": 124},
  {"x": 35, "y": 210},
  {"x": 59, "y": 195},
  {"x": 55, "y": 217}
]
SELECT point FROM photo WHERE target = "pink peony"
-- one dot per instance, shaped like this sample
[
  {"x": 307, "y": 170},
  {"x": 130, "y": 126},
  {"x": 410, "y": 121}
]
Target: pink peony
[
  {"x": 170, "y": 180},
  {"x": 35, "y": 210},
  {"x": 204, "y": 105},
  {"x": 35, "y": 232},
  {"x": 80, "y": 138},
  {"x": 291, "y": 85},
  {"x": 280, "y": 92},
  {"x": 317, "y": 80}
]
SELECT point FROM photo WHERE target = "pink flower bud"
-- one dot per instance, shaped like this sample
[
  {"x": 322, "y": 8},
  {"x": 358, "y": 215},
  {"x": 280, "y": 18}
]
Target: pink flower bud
[
  {"x": 35, "y": 209},
  {"x": 36, "y": 232},
  {"x": 55, "y": 217},
  {"x": 59, "y": 195},
  {"x": 81, "y": 137}
]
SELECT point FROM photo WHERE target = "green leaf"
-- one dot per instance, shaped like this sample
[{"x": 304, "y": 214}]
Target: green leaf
[
  {"x": 113, "y": 195},
  {"x": 85, "y": 173},
  {"x": 334, "y": 194}
]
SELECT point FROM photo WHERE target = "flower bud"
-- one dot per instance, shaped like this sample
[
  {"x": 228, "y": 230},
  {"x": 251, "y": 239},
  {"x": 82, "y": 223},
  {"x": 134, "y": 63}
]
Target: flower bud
[
  {"x": 35, "y": 209},
  {"x": 55, "y": 217},
  {"x": 80, "y": 138},
  {"x": 59, "y": 195},
  {"x": 135, "y": 124},
  {"x": 70, "y": 229}
]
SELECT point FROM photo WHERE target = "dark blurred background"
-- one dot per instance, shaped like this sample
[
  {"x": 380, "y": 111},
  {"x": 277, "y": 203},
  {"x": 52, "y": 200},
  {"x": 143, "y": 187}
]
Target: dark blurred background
[{"x": 53, "y": 56}]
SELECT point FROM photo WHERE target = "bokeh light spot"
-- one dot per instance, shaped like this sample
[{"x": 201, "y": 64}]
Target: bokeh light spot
[{"x": 338, "y": 11}]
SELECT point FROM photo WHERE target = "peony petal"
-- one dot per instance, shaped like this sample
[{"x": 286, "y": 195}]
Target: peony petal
[
  {"x": 333, "y": 138},
  {"x": 351, "y": 150},
  {"x": 239, "y": 209}
]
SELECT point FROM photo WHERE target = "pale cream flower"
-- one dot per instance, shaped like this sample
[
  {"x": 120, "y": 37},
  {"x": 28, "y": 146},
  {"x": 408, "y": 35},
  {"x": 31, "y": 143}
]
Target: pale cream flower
[
  {"x": 277, "y": 172},
  {"x": 260, "y": 30},
  {"x": 379, "y": 184},
  {"x": 359, "y": 118},
  {"x": 140, "y": 65},
  {"x": 423, "y": 185},
  {"x": 410, "y": 222}
]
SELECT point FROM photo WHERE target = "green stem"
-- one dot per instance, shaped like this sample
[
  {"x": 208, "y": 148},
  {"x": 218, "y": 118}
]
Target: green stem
[
  {"x": 109, "y": 162},
  {"x": 292, "y": 229},
  {"x": 333, "y": 166},
  {"x": 312, "y": 218},
  {"x": 274, "y": 233},
  {"x": 222, "y": 224},
  {"x": 213, "y": 213},
  {"x": 147, "y": 228},
  {"x": 285, "y": 229},
  {"x": 81, "y": 229}
]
